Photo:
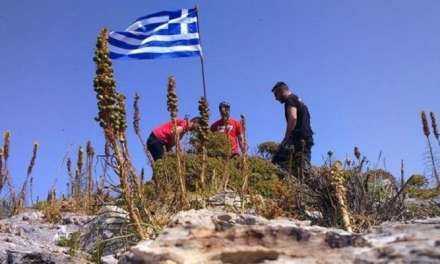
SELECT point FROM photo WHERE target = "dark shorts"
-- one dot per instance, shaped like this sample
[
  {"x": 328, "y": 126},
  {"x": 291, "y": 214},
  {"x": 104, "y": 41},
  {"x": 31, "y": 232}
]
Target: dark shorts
[{"x": 156, "y": 147}]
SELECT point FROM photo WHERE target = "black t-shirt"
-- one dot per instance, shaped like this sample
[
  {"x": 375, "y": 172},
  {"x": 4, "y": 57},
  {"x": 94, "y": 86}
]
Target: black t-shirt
[{"x": 302, "y": 130}]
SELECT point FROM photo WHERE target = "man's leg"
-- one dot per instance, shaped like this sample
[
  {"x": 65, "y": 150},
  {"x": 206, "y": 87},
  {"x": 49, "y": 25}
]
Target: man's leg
[
  {"x": 303, "y": 158},
  {"x": 155, "y": 147}
]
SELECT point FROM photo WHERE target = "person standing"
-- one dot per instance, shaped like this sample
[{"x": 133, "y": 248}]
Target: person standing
[
  {"x": 162, "y": 138},
  {"x": 298, "y": 137},
  {"x": 231, "y": 127}
]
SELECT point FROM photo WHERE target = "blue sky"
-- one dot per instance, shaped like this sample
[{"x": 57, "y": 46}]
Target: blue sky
[{"x": 365, "y": 68}]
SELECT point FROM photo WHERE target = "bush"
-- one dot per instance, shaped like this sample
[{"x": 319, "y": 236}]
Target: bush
[
  {"x": 218, "y": 145},
  {"x": 267, "y": 149},
  {"x": 263, "y": 173},
  {"x": 71, "y": 242}
]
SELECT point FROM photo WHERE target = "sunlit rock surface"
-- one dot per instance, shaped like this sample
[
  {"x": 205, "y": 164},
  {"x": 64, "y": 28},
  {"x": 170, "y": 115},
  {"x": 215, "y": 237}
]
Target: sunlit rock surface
[{"x": 210, "y": 236}]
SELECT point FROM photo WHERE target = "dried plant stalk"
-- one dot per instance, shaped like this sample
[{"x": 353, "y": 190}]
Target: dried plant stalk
[
  {"x": 20, "y": 201},
  {"x": 434, "y": 127},
  {"x": 172, "y": 100},
  {"x": 245, "y": 171},
  {"x": 78, "y": 175},
  {"x": 112, "y": 118},
  {"x": 29, "y": 171},
  {"x": 203, "y": 136},
  {"x": 90, "y": 156},
  {"x": 71, "y": 177},
  {"x": 172, "y": 106},
  {"x": 6, "y": 145},
  {"x": 2, "y": 173},
  {"x": 137, "y": 129},
  {"x": 402, "y": 173},
  {"x": 425, "y": 125},
  {"x": 7, "y": 176},
  {"x": 337, "y": 182},
  {"x": 427, "y": 133},
  {"x": 357, "y": 153}
]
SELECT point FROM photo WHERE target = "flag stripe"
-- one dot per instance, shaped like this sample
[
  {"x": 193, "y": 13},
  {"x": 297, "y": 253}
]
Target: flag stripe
[
  {"x": 150, "y": 56},
  {"x": 140, "y": 26},
  {"x": 154, "y": 49},
  {"x": 180, "y": 42},
  {"x": 173, "y": 14},
  {"x": 148, "y": 21},
  {"x": 122, "y": 37}
]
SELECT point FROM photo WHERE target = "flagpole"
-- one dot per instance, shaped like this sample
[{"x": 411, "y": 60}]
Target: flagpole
[{"x": 202, "y": 61}]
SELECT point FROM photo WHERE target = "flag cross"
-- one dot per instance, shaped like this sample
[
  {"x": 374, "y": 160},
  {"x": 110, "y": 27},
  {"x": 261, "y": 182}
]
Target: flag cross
[{"x": 183, "y": 21}]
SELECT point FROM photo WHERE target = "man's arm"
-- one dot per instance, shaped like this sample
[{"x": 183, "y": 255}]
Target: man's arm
[
  {"x": 240, "y": 136},
  {"x": 291, "y": 121},
  {"x": 179, "y": 131}
]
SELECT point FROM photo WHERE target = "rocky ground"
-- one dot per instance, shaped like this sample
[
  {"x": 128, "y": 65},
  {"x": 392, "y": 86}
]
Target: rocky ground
[
  {"x": 215, "y": 236},
  {"x": 28, "y": 238},
  {"x": 208, "y": 236}
]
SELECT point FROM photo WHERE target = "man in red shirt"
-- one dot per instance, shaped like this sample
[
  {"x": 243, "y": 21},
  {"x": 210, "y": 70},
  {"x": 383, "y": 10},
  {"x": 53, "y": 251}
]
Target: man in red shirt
[
  {"x": 230, "y": 127},
  {"x": 162, "y": 138}
]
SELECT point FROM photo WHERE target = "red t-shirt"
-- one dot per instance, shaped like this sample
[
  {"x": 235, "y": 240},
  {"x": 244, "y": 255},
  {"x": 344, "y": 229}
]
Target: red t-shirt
[
  {"x": 233, "y": 129},
  {"x": 164, "y": 132}
]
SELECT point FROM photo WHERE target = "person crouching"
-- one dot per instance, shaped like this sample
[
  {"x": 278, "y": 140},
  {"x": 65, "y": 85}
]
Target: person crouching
[{"x": 163, "y": 138}]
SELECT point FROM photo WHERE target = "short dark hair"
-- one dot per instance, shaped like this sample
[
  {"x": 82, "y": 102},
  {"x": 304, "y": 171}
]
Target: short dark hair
[
  {"x": 224, "y": 104},
  {"x": 279, "y": 85},
  {"x": 196, "y": 119}
]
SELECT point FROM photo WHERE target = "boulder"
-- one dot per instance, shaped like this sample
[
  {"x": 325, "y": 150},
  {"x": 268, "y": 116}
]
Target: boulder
[
  {"x": 216, "y": 236},
  {"x": 104, "y": 232}
]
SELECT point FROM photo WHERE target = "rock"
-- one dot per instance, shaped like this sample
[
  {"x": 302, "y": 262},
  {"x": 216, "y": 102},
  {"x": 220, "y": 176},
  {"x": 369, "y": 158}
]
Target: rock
[
  {"x": 436, "y": 200},
  {"x": 27, "y": 238},
  {"x": 314, "y": 215},
  {"x": 227, "y": 198},
  {"x": 61, "y": 233},
  {"x": 71, "y": 218},
  {"x": 30, "y": 257},
  {"x": 410, "y": 242},
  {"x": 215, "y": 236},
  {"x": 337, "y": 240},
  {"x": 109, "y": 259},
  {"x": 110, "y": 222}
]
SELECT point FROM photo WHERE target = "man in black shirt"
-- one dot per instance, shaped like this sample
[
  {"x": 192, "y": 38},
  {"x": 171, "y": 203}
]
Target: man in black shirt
[{"x": 298, "y": 138}]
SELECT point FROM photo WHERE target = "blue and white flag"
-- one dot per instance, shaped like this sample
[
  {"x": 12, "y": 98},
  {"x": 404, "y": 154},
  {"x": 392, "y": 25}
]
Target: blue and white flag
[{"x": 166, "y": 34}]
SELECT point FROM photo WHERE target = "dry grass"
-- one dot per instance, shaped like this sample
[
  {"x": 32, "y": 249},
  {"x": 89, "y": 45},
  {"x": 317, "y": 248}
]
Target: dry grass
[{"x": 16, "y": 202}]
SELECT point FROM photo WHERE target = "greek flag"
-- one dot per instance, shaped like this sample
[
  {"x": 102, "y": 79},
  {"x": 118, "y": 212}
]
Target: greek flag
[{"x": 166, "y": 34}]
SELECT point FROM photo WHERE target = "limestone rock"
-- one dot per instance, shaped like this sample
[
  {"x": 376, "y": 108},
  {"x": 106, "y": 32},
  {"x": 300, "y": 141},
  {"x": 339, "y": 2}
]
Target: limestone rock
[
  {"x": 226, "y": 198},
  {"x": 215, "y": 236},
  {"x": 27, "y": 238},
  {"x": 210, "y": 236},
  {"x": 102, "y": 231}
]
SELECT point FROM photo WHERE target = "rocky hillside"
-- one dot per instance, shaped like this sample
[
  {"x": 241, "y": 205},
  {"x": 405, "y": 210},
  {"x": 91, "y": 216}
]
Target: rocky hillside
[{"x": 214, "y": 236}]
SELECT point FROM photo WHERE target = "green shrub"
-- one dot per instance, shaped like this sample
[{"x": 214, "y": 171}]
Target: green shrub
[
  {"x": 217, "y": 145},
  {"x": 267, "y": 149},
  {"x": 71, "y": 242},
  {"x": 417, "y": 181}
]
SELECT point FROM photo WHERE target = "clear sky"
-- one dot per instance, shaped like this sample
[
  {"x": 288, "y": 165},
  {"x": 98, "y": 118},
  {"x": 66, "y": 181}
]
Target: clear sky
[{"x": 365, "y": 69}]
